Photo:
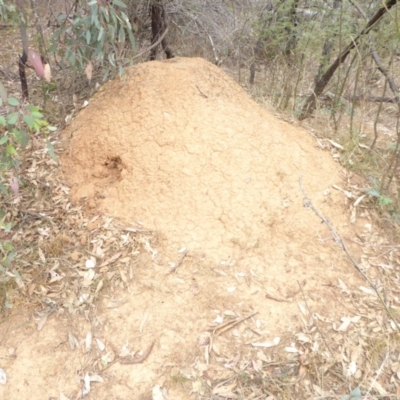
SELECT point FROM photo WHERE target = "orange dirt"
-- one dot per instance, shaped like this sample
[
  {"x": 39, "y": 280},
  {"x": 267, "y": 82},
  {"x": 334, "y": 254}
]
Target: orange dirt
[{"x": 180, "y": 147}]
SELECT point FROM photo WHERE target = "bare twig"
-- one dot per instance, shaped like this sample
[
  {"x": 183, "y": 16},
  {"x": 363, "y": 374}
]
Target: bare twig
[
  {"x": 230, "y": 324},
  {"x": 178, "y": 263},
  {"x": 160, "y": 39}
]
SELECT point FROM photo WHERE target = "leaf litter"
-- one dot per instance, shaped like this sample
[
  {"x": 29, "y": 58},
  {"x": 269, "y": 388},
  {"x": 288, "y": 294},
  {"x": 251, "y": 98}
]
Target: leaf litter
[
  {"x": 67, "y": 259},
  {"x": 70, "y": 256}
]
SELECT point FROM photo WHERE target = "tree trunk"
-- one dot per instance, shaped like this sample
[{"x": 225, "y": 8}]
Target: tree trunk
[
  {"x": 310, "y": 104},
  {"x": 159, "y": 25}
]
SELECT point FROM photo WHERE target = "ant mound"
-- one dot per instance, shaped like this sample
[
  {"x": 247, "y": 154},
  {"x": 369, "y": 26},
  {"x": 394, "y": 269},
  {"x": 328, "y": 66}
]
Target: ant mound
[{"x": 179, "y": 146}]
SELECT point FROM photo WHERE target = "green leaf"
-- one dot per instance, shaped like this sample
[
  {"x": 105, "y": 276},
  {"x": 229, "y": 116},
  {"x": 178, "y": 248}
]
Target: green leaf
[
  {"x": 12, "y": 118},
  {"x": 72, "y": 59},
  {"x": 22, "y": 137},
  {"x": 373, "y": 192},
  {"x": 385, "y": 201},
  {"x": 50, "y": 149},
  {"x": 101, "y": 33},
  {"x": 2, "y": 121},
  {"x": 8, "y": 246},
  {"x": 356, "y": 393},
  {"x": 61, "y": 17},
  {"x": 121, "y": 35},
  {"x": 104, "y": 11},
  {"x": 88, "y": 36},
  {"x": 32, "y": 108},
  {"x": 37, "y": 115},
  {"x": 28, "y": 119},
  {"x": 8, "y": 259},
  {"x": 8, "y": 227},
  {"x": 4, "y": 139},
  {"x": 111, "y": 59},
  {"x": 13, "y": 102},
  {"x": 126, "y": 19},
  {"x": 3, "y": 190},
  {"x": 2, "y": 212},
  {"x": 132, "y": 39},
  {"x": 11, "y": 150},
  {"x": 119, "y": 3}
]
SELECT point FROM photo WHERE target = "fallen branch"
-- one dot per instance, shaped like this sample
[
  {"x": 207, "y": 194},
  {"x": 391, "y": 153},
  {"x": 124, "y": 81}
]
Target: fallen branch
[
  {"x": 339, "y": 241},
  {"x": 373, "y": 99}
]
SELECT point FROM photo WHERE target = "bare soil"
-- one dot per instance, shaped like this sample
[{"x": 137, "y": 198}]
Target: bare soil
[{"x": 178, "y": 149}]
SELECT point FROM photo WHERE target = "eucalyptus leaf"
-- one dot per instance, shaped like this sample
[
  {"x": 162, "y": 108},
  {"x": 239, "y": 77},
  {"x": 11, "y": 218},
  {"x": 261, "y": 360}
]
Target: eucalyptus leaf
[
  {"x": 132, "y": 39},
  {"x": 126, "y": 19},
  {"x": 100, "y": 35},
  {"x": 105, "y": 13},
  {"x": 88, "y": 36},
  {"x": 111, "y": 59},
  {"x": 121, "y": 35},
  {"x": 119, "y": 3}
]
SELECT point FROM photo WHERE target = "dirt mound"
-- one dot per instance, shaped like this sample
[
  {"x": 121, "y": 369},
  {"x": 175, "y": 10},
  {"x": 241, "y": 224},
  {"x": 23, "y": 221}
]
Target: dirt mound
[{"x": 180, "y": 147}]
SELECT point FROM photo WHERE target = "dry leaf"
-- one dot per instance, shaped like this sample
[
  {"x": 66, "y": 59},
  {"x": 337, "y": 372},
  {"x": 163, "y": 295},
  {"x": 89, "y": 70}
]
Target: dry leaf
[
  {"x": 41, "y": 322},
  {"x": 88, "y": 342},
  {"x": 75, "y": 255},
  {"x": 41, "y": 255},
  {"x": 89, "y": 71},
  {"x": 143, "y": 322},
  {"x": 225, "y": 391},
  {"x": 273, "y": 343},
  {"x": 3, "y": 377},
  {"x": 157, "y": 393},
  {"x": 73, "y": 341},
  {"x": 100, "y": 344},
  {"x": 47, "y": 73},
  {"x": 14, "y": 186},
  {"x": 90, "y": 263}
]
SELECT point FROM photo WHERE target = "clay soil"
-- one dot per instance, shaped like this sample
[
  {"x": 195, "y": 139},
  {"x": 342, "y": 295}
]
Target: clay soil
[{"x": 179, "y": 150}]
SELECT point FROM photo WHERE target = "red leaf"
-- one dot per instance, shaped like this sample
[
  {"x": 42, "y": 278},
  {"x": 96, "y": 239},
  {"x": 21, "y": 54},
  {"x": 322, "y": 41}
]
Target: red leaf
[
  {"x": 89, "y": 71},
  {"x": 36, "y": 62},
  {"x": 14, "y": 185}
]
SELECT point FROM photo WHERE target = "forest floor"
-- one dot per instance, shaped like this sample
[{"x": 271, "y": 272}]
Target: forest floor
[{"x": 191, "y": 244}]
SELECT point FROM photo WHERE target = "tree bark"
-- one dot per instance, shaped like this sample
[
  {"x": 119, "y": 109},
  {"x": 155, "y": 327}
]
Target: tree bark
[{"x": 23, "y": 22}]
